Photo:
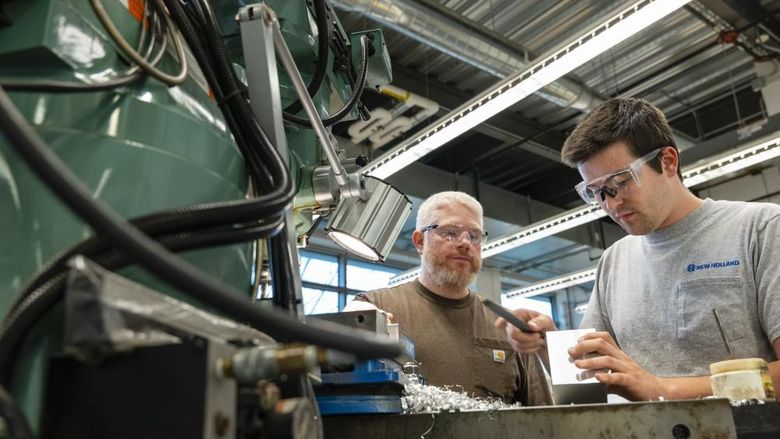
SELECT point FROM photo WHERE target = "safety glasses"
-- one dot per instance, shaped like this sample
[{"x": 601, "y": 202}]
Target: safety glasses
[
  {"x": 596, "y": 191},
  {"x": 454, "y": 232}
]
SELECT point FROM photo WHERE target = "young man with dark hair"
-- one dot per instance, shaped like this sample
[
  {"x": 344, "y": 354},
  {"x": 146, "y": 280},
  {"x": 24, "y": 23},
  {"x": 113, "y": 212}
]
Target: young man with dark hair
[{"x": 656, "y": 289}]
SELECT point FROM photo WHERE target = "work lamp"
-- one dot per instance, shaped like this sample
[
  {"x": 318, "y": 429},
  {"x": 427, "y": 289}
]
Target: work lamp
[{"x": 369, "y": 225}]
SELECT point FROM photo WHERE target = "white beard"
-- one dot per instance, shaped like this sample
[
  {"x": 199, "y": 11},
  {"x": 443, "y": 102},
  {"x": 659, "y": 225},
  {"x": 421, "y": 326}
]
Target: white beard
[{"x": 445, "y": 277}]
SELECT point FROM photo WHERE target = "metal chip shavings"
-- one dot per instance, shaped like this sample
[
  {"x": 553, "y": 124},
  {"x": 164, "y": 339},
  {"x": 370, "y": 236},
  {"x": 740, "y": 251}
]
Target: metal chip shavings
[
  {"x": 740, "y": 402},
  {"x": 421, "y": 398}
]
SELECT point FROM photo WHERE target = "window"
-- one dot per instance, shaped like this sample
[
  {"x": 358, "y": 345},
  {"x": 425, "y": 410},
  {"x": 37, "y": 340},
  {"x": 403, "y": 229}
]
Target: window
[
  {"x": 365, "y": 276},
  {"x": 320, "y": 301},
  {"x": 319, "y": 268},
  {"x": 329, "y": 281}
]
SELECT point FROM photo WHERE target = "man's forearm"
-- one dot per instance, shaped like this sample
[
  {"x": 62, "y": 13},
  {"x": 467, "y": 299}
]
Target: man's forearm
[{"x": 686, "y": 387}]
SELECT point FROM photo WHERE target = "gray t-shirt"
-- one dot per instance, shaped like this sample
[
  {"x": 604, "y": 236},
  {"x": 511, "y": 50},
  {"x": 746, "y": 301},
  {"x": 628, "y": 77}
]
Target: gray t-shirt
[{"x": 655, "y": 293}]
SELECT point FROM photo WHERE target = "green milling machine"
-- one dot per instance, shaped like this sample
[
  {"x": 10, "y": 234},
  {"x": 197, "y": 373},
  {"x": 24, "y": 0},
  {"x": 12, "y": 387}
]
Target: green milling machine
[{"x": 144, "y": 143}]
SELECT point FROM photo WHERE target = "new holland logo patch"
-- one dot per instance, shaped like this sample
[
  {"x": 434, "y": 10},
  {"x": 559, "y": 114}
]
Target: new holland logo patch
[
  {"x": 712, "y": 265},
  {"x": 499, "y": 356}
]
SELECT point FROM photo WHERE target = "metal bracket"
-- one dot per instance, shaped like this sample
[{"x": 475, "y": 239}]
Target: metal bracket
[{"x": 257, "y": 24}]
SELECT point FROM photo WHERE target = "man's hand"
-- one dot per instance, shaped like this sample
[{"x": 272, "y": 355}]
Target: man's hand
[
  {"x": 524, "y": 342},
  {"x": 626, "y": 377}
]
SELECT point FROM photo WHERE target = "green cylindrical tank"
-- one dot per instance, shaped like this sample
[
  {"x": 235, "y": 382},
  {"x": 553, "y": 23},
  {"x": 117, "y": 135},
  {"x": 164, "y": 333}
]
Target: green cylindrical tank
[{"x": 140, "y": 149}]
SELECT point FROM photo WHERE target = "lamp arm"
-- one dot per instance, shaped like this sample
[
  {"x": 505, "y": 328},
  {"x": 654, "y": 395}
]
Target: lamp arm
[{"x": 325, "y": 136}]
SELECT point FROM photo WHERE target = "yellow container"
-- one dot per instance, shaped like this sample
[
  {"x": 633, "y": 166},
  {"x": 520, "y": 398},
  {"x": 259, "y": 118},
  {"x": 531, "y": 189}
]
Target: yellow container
[{"x": 744, "y": 378}]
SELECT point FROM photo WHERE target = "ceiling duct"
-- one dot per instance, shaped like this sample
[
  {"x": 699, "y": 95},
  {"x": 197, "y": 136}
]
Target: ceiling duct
[{"x": 445, "y": 34}]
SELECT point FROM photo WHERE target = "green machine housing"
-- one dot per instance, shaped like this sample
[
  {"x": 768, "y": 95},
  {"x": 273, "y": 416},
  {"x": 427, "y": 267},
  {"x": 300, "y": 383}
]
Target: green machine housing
[{"x": 139, "y": 149}]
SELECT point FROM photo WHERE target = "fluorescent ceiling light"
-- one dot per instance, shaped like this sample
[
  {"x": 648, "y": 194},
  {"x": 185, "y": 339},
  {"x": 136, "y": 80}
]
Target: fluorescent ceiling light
[
  {"x": 542, "y": 229},
  {"x": 761, "y": 151},
  {"x": 764, "y": 150},
  {"x": 559, "y": 283},
  {"x": 508, "y": 92}
]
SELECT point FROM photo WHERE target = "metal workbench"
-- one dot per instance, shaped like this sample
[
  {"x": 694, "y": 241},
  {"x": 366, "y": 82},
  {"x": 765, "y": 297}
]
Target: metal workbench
[{"x": 704, "y": 418}]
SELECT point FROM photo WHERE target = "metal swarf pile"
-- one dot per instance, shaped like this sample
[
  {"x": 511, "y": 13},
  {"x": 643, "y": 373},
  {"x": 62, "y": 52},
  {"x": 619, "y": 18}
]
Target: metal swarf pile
[{"x": 422, "y": 398}]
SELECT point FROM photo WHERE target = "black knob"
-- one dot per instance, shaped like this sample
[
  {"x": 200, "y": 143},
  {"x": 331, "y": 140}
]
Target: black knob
[{"x": 361, "y": 161}]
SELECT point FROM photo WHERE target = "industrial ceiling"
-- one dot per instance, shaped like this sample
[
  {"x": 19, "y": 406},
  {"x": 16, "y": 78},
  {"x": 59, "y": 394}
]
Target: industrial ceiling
[{"x": 699, "y": 65}]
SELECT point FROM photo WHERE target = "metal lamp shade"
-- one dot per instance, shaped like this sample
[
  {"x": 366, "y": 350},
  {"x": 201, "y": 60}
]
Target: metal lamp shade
[{"x": 369, "y": 228}]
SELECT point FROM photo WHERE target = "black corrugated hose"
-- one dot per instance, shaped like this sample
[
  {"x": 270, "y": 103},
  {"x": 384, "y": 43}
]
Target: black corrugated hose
[
  {"x": 271, "y": 177},
  {"x": 92, "y": 246},
  {"x": 15, "y": 423},
  {"x": 323, "y": 41},
  {"x": 156, "y": 259},
  {"x": 246, "y": 137},
  {"x": 354, "y": 99},
  {"x": 30, "y": 307}
]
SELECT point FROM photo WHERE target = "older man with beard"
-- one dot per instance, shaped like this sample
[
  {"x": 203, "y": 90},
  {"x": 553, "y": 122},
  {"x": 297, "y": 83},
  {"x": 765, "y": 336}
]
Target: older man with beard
[{"x": 456, "y": 341}]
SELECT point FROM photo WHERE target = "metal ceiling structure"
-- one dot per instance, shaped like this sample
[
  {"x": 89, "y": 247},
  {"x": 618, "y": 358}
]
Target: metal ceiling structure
[{"x": 698, "y": 65}]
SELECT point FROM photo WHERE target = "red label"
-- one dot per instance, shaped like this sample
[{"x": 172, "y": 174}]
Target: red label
[{"x": 136, "y": 8}]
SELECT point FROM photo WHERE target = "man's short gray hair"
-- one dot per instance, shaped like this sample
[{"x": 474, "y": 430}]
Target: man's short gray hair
[{"x": 427, "y": 211}]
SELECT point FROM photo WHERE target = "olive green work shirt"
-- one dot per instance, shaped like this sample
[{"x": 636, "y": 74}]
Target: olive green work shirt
[{"x": 457, "y": 345}]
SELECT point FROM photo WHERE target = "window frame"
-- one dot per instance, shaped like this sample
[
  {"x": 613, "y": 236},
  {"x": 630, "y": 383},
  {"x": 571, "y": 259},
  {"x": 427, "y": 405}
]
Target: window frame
[{"x": 341, "y": 287}]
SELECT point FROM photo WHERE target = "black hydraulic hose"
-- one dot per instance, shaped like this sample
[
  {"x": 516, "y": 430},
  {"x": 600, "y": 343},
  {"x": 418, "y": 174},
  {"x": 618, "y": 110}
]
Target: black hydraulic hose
[
  {"x": 357, "y": 92},
  {"x": 92, "y": 246},
  {"x": 194, "y": 39},
  {"x": 159, "y": 261},
  {"x": 246, "y": 137},
  {"x": 16, "y": 425},
  {"x": 185, "y": 241},
  {"x": 281, "y": 264},
  {"x": 31, "y": 307},
  {"x": 213, "y": 36},
  {"x": 232, "y": 88},
  {"x": 180, "y": 219},
  {"x": 323, "y": 41},
  {"x": 22, "y": 317},
  {"x": 208, "y": 215},
  {"x": 225, "y": 73}
]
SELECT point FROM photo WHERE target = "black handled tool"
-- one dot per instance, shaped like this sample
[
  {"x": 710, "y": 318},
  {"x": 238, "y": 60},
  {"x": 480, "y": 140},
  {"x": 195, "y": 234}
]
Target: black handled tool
[{"x": 508, "y": 316}]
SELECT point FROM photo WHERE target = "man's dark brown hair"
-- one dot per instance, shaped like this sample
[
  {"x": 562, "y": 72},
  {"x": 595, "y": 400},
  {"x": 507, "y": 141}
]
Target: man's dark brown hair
[{"x": 633, "y": 121}]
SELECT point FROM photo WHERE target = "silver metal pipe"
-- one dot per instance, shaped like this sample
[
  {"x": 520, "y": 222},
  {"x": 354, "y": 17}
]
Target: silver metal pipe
[
  {"x": 326, "y": 138},
  {"x": 446, "y": 35}
]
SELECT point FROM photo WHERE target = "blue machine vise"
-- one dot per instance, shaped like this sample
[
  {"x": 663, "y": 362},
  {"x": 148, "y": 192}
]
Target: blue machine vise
[{"x": 372, "y": 386}]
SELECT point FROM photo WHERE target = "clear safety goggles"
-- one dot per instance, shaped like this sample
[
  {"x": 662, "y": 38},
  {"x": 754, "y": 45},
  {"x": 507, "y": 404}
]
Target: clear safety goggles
[
  {"x": 596, "y": 191},
  {"x": 454, "y": 232}
]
